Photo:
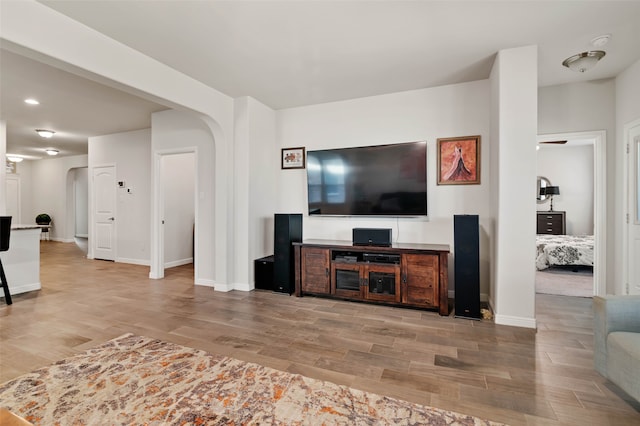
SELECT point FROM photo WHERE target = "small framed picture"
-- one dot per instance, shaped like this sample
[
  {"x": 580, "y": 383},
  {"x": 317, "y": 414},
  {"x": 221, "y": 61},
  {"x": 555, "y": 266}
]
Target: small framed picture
[
  {"x": 293, "y": 158},
  {"x": 459, "y": 160}
]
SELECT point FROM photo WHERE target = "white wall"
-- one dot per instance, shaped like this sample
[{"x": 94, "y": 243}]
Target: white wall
[
  {"x": 50, "y": 193},
  {"x": 571, "y": 169},
  {"x": 264, "y": 190},
  {"x": 130, "y": 152},
  {"x": 513, "y": 134},
  {"x": 178, "y": 181},
  {"x": 418, "y": 115},
  {"x": 3, "y": 171},
  {"x": 627, "y": 107},
  {"x": 256, "y": 186}
]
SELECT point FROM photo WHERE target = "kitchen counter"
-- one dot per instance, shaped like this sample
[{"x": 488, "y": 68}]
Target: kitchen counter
[{"x": 22, "y": 261}]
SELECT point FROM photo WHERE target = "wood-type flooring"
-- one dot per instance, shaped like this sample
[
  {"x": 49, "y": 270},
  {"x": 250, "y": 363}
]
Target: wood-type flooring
[{"x": 513, "y": 375}]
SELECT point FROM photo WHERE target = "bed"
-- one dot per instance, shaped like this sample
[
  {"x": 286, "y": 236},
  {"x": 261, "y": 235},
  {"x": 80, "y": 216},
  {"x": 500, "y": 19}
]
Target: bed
[{"x": 564, "y": 250}]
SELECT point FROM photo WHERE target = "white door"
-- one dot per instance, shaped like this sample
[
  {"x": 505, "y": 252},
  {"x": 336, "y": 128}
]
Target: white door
[
  {"x": 104, "y": 212},
  {"x": 13, "y": 198},
  {"x": 633, "y": 232}
]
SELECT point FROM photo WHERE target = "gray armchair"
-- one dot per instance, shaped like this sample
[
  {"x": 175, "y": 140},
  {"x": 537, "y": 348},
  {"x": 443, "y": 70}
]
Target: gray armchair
[{"x": 616, "y": 330}]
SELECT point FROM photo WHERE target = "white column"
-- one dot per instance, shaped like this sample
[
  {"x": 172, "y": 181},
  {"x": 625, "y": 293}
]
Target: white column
[{"x": 514, "y": 80}]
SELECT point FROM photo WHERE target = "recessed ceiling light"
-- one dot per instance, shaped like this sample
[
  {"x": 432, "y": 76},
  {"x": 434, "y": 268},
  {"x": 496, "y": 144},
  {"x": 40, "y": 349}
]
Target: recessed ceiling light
[
  {"x": 14, "y": 158},
  {"x": 51, "y": 151},
  {"x": 45, "y": 133},
  {"x": 32, "y": 101}
]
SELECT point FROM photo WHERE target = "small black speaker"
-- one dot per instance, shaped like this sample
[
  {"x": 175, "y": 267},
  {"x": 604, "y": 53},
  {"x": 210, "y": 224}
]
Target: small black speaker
[
  {"x": 288, "y": 230},
  {"x": 466, "y": 239},
  {"x": 372, "y": 237},
  {"x": 263, "y": 273}
]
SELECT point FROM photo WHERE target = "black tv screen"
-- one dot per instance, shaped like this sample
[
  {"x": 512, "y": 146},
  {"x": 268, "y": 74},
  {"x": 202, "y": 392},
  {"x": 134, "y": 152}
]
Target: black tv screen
[{"x": 383, "y": 180}]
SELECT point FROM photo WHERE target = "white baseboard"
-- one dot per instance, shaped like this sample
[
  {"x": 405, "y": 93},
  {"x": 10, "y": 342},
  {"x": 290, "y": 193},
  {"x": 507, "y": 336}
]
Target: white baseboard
[
  {"x": 82, "y": 236},
  {"x": 243, "y": 286},
  {"x": 516, "y": 321},
  {"x": 207, "y": 283},
  {"x": 180, "y": 262},
  {"x": 13, "y": 290},
  {"x": 63, "y": 240},
  {"x": 223, "y": 287},
  {"x": 141, "y": 262}
]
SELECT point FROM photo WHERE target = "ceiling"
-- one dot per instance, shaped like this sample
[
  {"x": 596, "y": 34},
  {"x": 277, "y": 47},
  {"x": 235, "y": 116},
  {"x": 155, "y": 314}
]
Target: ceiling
[
  {"x": 72, "y": 106},
  {"x": 294, "y": 53}
]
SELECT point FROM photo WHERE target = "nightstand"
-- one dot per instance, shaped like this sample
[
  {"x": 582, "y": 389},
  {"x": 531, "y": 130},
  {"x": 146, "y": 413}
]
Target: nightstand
[{"x": 551, "y": 222}]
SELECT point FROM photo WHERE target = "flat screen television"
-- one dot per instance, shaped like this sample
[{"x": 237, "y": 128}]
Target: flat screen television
[{"x": 382, "y": 180}]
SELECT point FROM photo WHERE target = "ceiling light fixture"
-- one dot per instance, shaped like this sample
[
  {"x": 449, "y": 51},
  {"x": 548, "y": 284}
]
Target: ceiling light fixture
[
  {"x": 14, "y": 158},
  {"x": 51, "y": 151},
  {"x": 583, "y": 61},
  {"x": 45, "y": 133},
  {"x": 31, "y": 101}
]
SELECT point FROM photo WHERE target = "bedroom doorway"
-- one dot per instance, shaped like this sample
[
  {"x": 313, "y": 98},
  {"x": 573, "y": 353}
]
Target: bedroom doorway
[
  {"x": 573, "y": 263},
  {"x": 631, "y": 234}
]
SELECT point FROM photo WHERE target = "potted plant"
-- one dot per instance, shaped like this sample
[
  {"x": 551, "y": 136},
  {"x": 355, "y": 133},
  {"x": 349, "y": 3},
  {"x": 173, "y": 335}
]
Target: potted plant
[{"x": 43, "y": 219}]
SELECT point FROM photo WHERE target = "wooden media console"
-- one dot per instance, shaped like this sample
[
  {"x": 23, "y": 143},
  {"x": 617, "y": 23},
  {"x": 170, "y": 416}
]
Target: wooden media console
[{"x": 412, "y": 275}]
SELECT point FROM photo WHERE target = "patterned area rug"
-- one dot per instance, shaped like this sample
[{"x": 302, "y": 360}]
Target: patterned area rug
[{"x": 139, "y": 380}]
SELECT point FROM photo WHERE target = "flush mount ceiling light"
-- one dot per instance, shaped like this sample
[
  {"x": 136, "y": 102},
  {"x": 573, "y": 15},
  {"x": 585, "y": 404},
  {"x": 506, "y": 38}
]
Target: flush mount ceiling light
[
  {"x": 14, "y": 158},
  {"x": 31, "y": 101},
  {"x": 45, "y": 133},
  {"x": 51, "y": 151},
  {"x": 584, "y": 61}
]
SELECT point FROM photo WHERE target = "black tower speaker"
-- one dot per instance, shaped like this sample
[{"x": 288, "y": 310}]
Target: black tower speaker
[
  {"x": 288, "y": 229},
  {"x": 466, "y": 239}
]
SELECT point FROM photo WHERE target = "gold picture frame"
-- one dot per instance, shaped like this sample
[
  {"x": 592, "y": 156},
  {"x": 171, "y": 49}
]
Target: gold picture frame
[{"x": 459, "y": 160}]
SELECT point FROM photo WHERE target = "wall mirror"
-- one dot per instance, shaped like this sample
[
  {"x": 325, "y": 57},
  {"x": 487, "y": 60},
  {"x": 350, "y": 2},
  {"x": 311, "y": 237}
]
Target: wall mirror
[{"x": 543, "y": 182}]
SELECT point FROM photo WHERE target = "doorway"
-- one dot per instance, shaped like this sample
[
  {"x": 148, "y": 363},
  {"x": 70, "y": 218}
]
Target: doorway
[
  {"x": 104, "y": 212},
  {"x": 631, "y": 233},
  {"x": 13, "y": 198},
  {"x": 177, "y": 207},
  {"x": 80, "y": 207},
  {"x": 592, "y": 222}
]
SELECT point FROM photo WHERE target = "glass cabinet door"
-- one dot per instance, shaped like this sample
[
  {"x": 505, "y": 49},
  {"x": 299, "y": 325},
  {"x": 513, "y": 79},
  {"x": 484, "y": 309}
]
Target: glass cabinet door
[
  {"x": 382, "y": 282},
  {"x": 346, "y": 279}
]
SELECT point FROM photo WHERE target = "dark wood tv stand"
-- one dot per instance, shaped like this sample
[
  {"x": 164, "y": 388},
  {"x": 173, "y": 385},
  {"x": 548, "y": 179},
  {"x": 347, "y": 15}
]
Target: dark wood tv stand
[{"x": 412, "y": 275}]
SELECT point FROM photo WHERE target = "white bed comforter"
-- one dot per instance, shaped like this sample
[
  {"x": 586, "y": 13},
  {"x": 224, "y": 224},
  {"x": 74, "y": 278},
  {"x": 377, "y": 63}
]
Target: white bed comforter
[{"x": 554, "y": 250}]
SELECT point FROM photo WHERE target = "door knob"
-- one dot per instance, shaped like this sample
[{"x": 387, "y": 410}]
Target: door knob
[{"x": 112, "y": 218}]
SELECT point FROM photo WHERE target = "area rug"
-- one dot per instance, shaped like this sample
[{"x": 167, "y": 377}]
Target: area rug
[{"x": 139, "y": 380}]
